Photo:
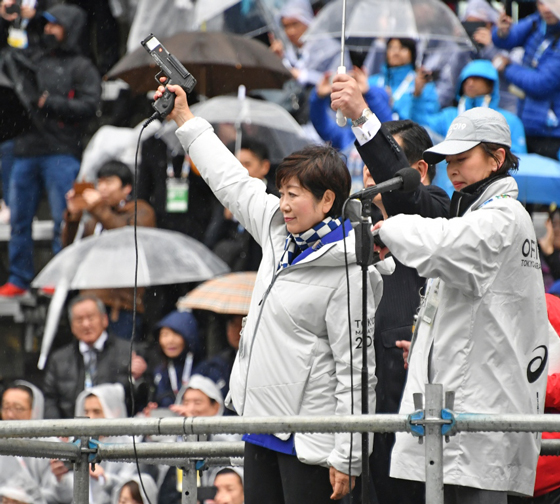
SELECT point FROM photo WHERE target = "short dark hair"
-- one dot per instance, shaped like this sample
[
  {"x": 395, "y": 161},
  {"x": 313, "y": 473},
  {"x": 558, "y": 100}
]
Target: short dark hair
[
  {"x": 23, "y": 388},
  {"x": 257, "y": 148},
  {"x": 318, "y": 168},
  {"x": 115, "y": 168},
  {"x": 410, "y": 44},
  {"x": 134, "y": 489},
  {"x": 415, "y": 140},
  {"x": 511, "y": 161},
  {"x": 86, "y": 297}
]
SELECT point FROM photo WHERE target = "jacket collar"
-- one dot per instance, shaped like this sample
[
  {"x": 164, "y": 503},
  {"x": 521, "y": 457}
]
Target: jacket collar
[{"x": 461, "y": 201}]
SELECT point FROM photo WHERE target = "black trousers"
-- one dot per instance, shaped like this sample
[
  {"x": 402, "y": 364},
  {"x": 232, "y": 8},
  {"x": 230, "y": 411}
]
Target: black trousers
[{"x": 276, "y": 478}]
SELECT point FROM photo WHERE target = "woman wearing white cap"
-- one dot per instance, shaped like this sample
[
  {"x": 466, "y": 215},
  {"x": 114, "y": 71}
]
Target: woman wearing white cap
[{"x": 482, "y": 328}]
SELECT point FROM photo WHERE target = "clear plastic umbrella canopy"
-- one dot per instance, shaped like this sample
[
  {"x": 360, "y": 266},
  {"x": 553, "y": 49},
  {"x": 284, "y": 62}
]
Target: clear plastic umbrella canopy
[
  {"x": 259, "y": 119},
  {"x": 108, "y": 260},
  {"x": 418, "y": 19}
]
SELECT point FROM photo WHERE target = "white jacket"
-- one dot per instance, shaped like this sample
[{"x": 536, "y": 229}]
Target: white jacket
[
  {"x": 294, "y": 355},
  {"x": 488, "y": 339}
]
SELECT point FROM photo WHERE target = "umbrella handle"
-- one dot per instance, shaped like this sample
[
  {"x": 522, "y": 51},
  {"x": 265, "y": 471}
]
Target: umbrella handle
[{"x": 340, "y": 119}]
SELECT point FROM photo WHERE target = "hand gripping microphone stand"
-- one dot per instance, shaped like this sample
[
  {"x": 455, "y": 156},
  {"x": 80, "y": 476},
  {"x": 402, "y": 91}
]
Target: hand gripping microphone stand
[{"x": 407, "y": 179}]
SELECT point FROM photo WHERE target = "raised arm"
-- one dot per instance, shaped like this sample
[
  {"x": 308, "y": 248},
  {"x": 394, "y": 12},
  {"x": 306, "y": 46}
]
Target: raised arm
[{"x": 245, "y": 196}]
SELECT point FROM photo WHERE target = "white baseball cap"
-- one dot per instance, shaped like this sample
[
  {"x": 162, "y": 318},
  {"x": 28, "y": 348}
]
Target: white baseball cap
[{"x": 479, "y": 124}]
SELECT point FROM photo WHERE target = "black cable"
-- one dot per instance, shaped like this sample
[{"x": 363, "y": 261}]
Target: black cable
[
  {"x": 349, "y": 316},
  {"x": 133, "y": 335}
]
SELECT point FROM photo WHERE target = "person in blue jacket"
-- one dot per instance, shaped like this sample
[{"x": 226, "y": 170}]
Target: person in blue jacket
[
  {"x": 181, "y": 347},
  {"x": 537, "y": 78},
  {"x": 342, "y": 139},
  {"x": 398, "y": 76},
  {"x": 479, "y": 86}
]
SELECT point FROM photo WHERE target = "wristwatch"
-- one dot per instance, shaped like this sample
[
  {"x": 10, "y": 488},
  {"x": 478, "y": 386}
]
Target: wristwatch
[{"x": 366, "y": 114}]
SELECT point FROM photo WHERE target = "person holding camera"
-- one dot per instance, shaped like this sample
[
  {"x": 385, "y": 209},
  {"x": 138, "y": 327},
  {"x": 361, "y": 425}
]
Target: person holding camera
[
  {"x": 47, "y": 156},
  {"x": 537, "y": 78},
  {"x": 478, "y": 86}
]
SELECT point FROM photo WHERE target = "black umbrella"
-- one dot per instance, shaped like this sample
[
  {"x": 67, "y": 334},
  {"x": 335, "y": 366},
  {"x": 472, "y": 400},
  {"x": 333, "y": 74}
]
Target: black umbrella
[{"x": 220, "y": 62}]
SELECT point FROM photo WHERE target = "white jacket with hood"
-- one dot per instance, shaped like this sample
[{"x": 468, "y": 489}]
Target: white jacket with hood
[
  {"x": 488, "y": 339},
  {"x": 294, "y": 353},
  {"x": 112, "y": 399},
  {"x": 32, "y": 474}
]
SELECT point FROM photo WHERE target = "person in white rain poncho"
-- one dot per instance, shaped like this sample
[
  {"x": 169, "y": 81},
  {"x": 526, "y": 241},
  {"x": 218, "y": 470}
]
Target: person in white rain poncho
[
  {"x": 36, "y": 476},
  {"x": 482, "y": 328},
  {"x": 106, "y": 401}
]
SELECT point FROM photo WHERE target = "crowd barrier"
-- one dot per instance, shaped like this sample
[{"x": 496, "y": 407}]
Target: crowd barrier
[{"x": 432, "y": 423}]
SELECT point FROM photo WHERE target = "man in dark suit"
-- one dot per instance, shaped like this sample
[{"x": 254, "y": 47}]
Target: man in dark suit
[
  {"x": 95, "y": 357},
  {"x": 385, "y": 149}
]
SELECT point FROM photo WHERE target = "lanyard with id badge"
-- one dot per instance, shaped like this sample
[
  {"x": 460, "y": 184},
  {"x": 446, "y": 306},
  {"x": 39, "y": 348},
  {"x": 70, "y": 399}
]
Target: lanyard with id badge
[
  {"x": 428, "y": 310},
  {"x": 178, "y": 188}
]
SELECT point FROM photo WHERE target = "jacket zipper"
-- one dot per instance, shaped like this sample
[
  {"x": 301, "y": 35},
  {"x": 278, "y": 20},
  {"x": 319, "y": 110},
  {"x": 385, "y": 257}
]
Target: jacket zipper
[{"x": 261, "y": 304}]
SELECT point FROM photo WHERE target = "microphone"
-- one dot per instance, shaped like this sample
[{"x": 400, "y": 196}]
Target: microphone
[{"x": 407, "y": 180}]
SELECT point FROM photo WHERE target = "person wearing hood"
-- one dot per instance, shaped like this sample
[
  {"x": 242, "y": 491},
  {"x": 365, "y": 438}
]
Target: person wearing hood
[
  {"x": 181, "y": 347},
  {"x": 482, "y": 329},
  {"x": 398, "y": 76},
  {"x": 479, "y": 86},
  {"x": 537, "y": 78},
  {"x": 46, "y": 480},
  {"x": 47, "y": 156},
  {"x": 481, "y": 11},
  {"x": 306, "y": 61},
  {"x": 106, "y": 401},
  {"x": 295, "y": 355},
  {"x": 135, "y": 491}
]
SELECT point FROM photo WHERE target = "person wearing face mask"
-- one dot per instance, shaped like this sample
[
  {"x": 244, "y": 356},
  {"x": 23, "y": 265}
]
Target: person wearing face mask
[{"x": 47, "y": 156}]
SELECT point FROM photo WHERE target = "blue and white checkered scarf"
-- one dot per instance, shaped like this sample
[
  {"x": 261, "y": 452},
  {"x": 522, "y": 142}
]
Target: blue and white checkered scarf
[{"x": 310, "y": 238}]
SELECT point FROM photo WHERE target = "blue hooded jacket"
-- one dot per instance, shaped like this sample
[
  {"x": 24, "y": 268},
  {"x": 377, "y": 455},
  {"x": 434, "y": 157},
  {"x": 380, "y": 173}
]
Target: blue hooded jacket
[
  {"x": 186, "y": 325},
  {"x": 439, "y": 123},
  {"x": 404, "y": 75},
  {"x": 539, "y": 75}
]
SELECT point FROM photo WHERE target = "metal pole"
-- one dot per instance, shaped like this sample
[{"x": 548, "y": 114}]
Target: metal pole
[
  {"x": 81, "y": 474},
  {"x": 189, "y": 493},
  {"x": 207, "y": 425},
  {"x": 434, "y": 444},
  {"x": 39, "y": 449},
  {"x": 118, "y": 451}
]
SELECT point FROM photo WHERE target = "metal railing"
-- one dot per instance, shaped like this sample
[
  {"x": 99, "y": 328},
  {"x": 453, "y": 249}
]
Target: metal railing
[{"x": 431, "y": 423}]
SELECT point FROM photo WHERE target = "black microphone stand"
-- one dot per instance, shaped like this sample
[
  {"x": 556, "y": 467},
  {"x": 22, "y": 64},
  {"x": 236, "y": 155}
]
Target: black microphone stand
[{"x": 364, "y": 256}]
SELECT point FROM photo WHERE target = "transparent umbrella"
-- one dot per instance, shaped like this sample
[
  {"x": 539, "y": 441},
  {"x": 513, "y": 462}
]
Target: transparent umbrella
[
  {"x": 262, "y": 120},
  {"x": 366, "y": 19},
  {"x": 108, "y": 261}
]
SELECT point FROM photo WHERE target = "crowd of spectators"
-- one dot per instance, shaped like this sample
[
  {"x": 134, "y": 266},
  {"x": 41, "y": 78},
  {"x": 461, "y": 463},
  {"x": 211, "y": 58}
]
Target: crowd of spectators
[{"x": 512, "y": 67}]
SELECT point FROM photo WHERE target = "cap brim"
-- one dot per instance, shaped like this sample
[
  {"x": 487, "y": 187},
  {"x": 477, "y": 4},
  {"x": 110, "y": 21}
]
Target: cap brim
[
  {"x": 50, "y": 18},
  {"x": 438, "y": 152}
]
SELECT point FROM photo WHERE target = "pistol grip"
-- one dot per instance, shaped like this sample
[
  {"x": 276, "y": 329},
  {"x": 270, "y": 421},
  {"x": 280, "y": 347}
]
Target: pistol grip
[{"x": 165, "y": 104}]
